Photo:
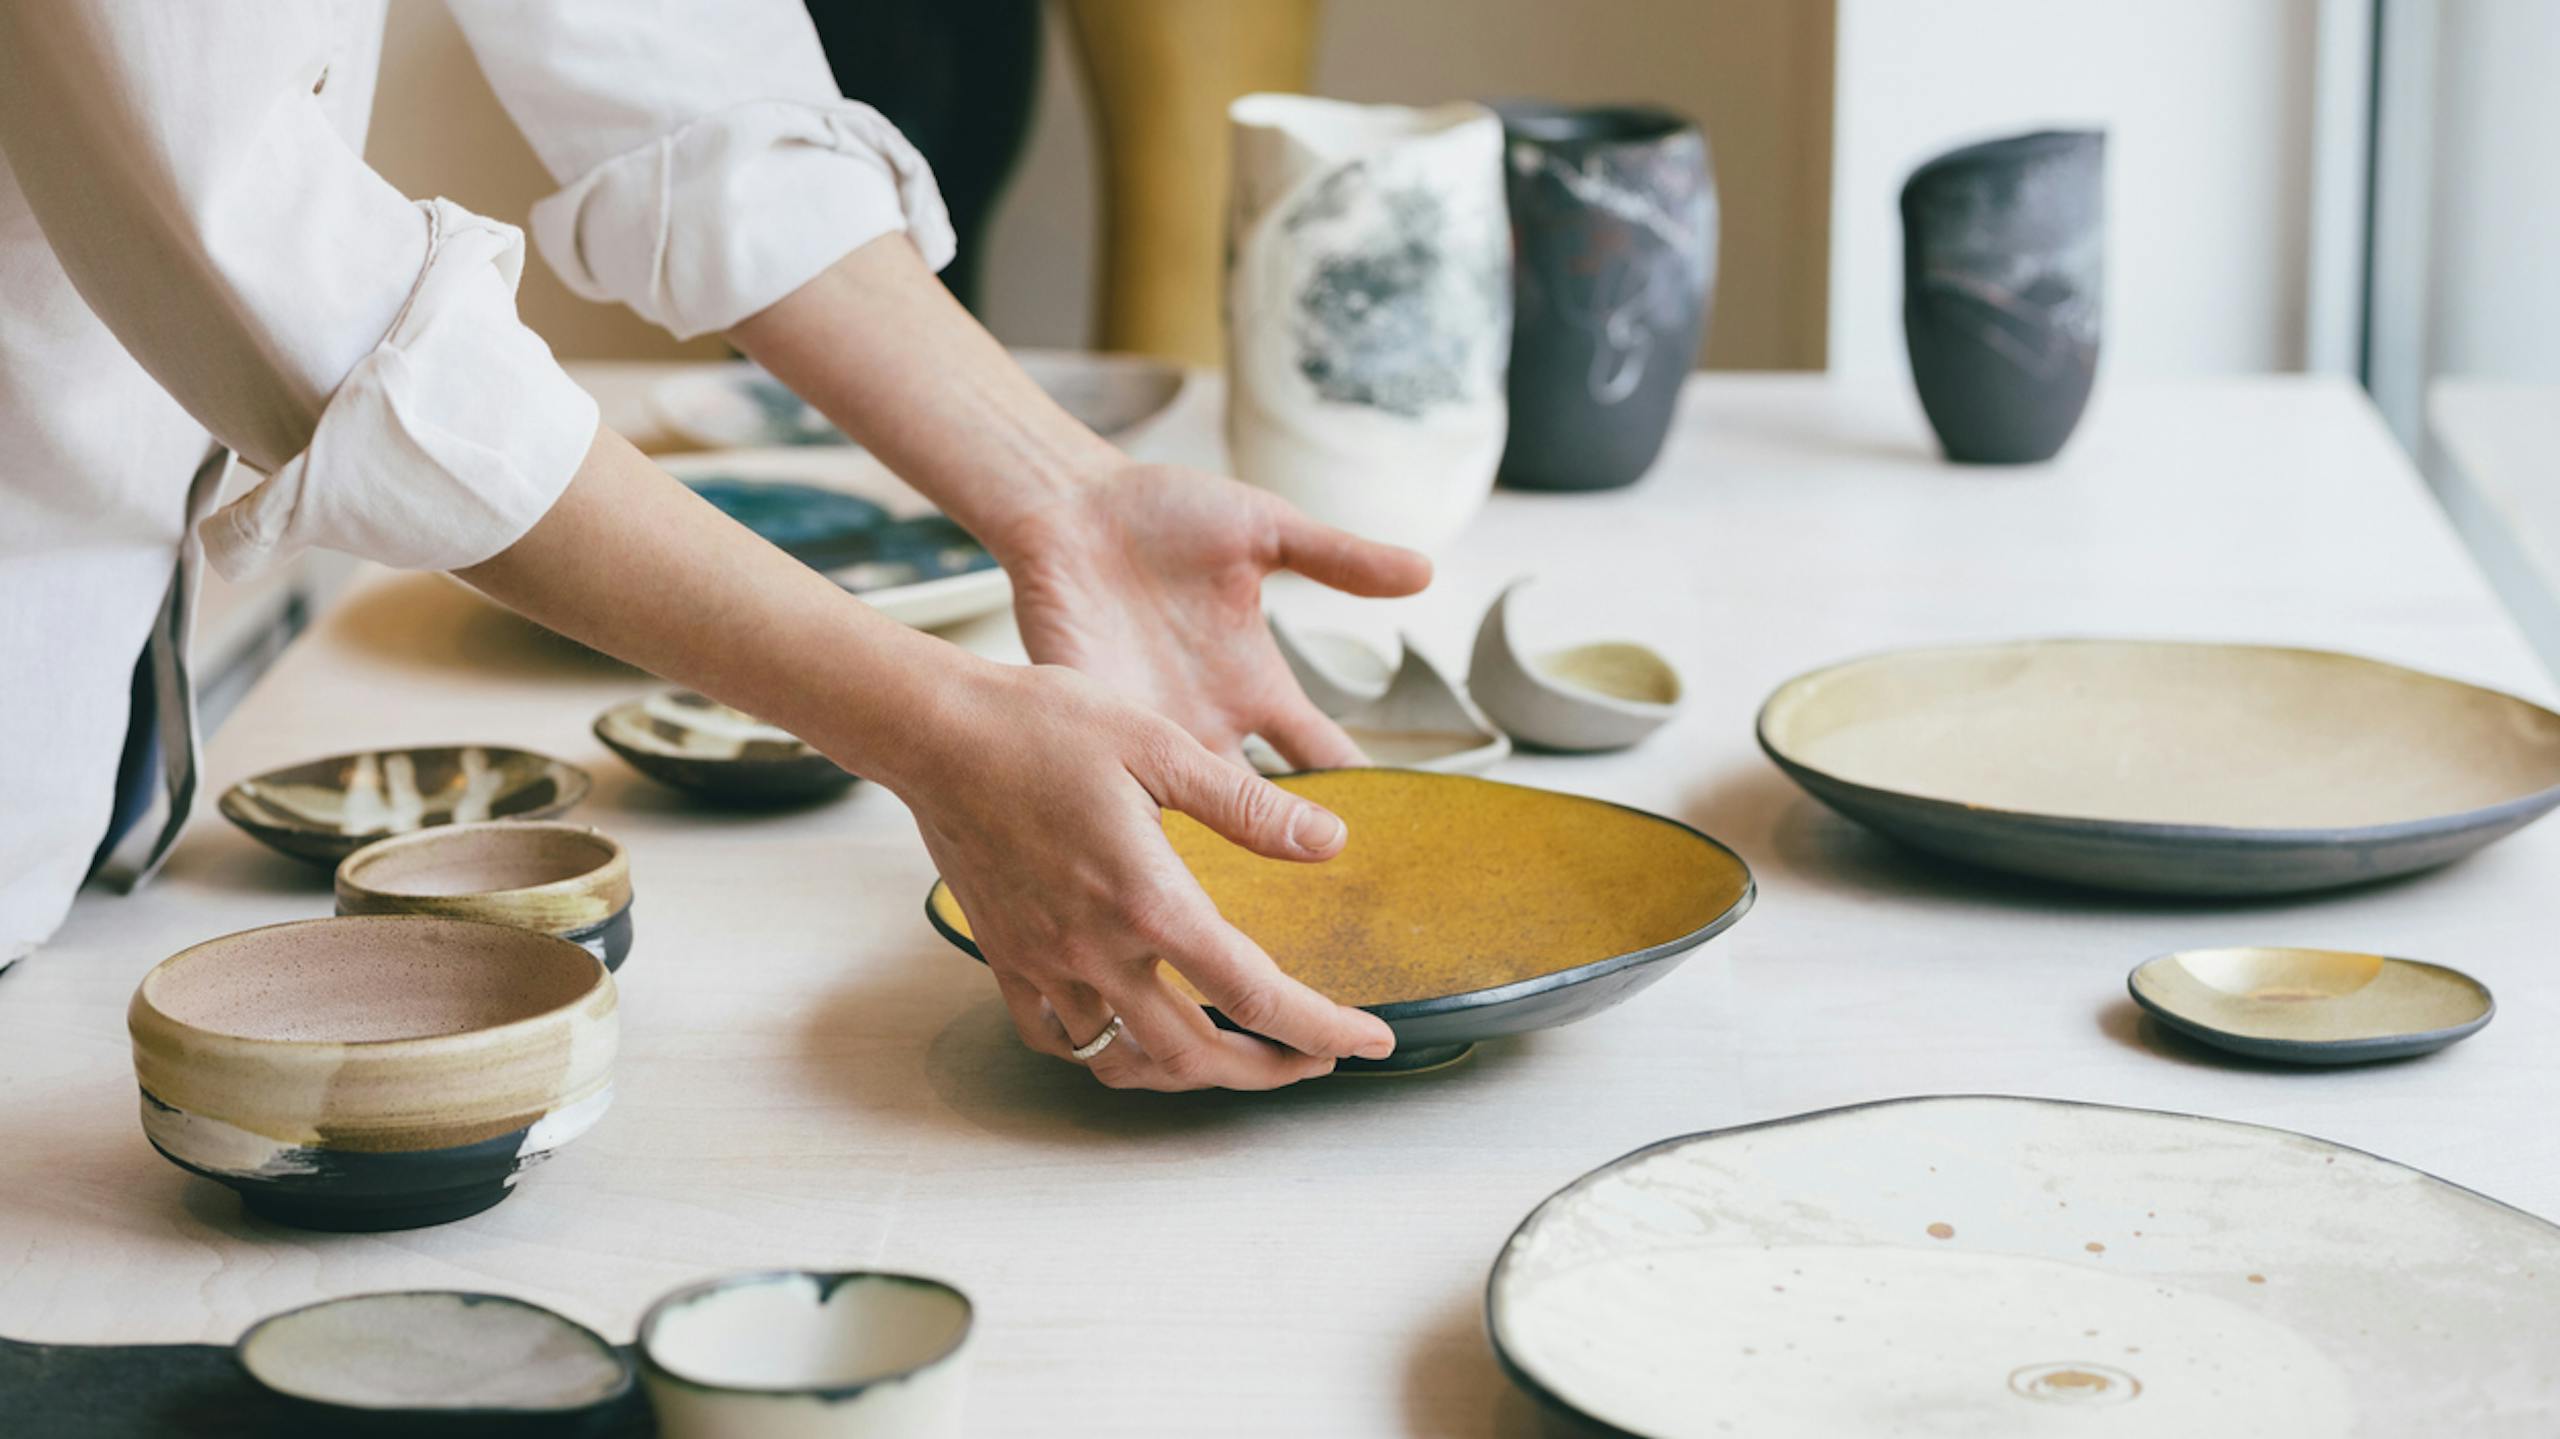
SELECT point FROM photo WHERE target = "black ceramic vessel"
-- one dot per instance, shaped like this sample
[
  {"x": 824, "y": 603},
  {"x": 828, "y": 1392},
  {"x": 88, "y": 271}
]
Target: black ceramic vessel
[
  {"x": 1613, "y": 224},
  {"x": 2003, "y": 245}
]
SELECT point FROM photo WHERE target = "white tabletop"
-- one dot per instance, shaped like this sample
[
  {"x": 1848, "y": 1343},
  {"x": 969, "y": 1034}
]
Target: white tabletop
[
  {"x": 2496, "y": 462},
  {"x": 810, "y": 1077}
]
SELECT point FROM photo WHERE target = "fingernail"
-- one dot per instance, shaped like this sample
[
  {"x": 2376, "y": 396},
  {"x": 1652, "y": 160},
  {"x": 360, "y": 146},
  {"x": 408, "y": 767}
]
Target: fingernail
[
  {"x": 1315, "y": 830},
  {"x": 1378, "y": 1048}
]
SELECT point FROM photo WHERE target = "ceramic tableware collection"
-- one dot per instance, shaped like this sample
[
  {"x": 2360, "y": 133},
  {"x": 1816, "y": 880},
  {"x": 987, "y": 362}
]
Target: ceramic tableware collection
[
  {"x": 548, "y": 876},
  {"x": 704, "y": 747},
  {"x": 372, "y": 1071},
  {"x": 326, "y": 809},
  {"x": 2025, "y": 1267},
  {"x": 1464, "y": 908},
  {"x": 2311, "y": 1006}
]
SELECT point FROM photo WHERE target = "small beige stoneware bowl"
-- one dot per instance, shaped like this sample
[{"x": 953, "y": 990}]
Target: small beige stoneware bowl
[
  {"x": 2311, "y": 1006},
  {"x": 798, "y": 1354},
  {"x": 374, "y": 1071},
  {"x": 549, "y": 876},
  {"x": 1602, "y": 696}
]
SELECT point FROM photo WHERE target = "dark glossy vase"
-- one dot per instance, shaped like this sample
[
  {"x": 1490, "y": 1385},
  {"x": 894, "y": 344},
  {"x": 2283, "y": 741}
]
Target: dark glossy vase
[
  {"x": 959, "y": 79},
  {"x": 2003, "y": 248},
  {"x": 1613, "y": 224}
]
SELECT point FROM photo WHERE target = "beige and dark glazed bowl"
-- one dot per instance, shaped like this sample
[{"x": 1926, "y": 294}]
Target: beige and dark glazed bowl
[
  {"x": 696, "y": 744},
  {"x": 326, "y": 809},
  {"x": 374, "y": 1071},
  {"x": 549, "y": 876}
]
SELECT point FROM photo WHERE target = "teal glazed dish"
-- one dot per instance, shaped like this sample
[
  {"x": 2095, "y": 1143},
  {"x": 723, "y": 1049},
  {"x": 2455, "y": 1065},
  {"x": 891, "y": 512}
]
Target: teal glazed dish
[
  {"x": 449, "y": 1360},
  {"x": 848, "y": 539},
  {"x": 1462, "y": 909},
  {"x": 326, "y": 809}
]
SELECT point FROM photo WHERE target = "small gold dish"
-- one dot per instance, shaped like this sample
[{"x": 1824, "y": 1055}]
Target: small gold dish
[{"x": 2311, "y": 1006}]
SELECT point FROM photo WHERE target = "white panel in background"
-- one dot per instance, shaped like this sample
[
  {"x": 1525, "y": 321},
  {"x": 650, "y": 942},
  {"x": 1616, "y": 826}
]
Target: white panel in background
[{"x": 2208, "y": 109}]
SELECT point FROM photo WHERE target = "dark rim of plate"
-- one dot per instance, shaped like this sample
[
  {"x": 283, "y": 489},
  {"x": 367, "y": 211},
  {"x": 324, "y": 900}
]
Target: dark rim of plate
[
  {"x": 1410, "y": 1009},
  {"x": 2155, "y": 830},
  {"x": 470, "y": 1298},
  {"x": 1538, "y": 1390},
  {"x": 828, "y": 1281}
]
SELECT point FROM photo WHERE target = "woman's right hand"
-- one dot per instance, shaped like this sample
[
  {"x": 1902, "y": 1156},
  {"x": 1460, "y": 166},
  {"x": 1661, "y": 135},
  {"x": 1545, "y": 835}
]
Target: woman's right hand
[{"x": 1041, "y": 801}]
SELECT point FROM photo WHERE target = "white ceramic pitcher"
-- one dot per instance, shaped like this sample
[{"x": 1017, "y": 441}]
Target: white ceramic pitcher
[{"x": 1368, "y": 311}]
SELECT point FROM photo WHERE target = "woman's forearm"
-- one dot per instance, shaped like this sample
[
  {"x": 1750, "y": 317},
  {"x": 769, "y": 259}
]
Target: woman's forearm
[
  {"x": 634, "y": 564},
  {"x": 884, "y": 350}
]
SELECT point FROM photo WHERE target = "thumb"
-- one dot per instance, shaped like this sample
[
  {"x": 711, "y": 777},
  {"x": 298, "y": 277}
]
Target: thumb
[{"x": 1246, "y": 808}]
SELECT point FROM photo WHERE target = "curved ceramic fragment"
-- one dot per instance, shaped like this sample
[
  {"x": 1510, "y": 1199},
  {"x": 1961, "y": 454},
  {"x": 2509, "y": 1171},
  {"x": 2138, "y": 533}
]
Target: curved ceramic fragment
[
  {"x": 1587, "y": 697},
  {"x": 448, "y": 1354},
  {"x": 2025, "y": 1267},
  {"x": 2311, "y": 1006},
  {"x": 1338, "y": 671},
  {"x": 1424, "y": 722}
]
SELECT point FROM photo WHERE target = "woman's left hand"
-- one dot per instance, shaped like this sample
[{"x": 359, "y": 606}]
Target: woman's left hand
[{"x": 1148, "y": 578}]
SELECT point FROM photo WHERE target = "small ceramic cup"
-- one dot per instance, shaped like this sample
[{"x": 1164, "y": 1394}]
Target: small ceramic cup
[
  {"x": 372, "y": 1072},
  {"x": 548, "y": 876},
  {"x": 797, "y": 1354}
]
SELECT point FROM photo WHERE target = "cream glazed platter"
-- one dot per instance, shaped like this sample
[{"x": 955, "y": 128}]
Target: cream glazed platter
[{"x": 1987, "y": 1267}]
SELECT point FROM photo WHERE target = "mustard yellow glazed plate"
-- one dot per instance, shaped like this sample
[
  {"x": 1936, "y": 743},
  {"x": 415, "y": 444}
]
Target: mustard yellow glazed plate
[
  {"x": 2166, "y": 767},
  {"x": 1463, "y": 908}
]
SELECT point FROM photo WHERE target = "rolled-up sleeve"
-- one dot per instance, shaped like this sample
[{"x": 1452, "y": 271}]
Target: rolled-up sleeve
[
  {"x": 708, "y": 164},
  {"x": 361, "y": 349}
]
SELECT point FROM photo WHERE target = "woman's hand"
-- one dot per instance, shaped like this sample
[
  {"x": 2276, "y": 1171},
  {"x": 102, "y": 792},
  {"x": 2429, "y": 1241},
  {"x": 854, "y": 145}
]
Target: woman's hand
[
  {"x": 1148, "y": 578},
  {"x": 1042, "y": 808}
]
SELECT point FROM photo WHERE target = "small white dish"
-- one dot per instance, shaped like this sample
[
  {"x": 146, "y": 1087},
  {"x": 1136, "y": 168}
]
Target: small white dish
[
  {"x": 1339, "y": 672},
  {"x": 454, "y": 1356},
  {"x": 799, "y": 1354},
  {"x": 1587, "y": 697}
]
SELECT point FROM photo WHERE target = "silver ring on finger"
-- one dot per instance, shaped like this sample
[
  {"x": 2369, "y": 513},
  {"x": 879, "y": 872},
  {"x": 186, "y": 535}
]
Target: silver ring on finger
[{"x": 1085, "y": 1052}]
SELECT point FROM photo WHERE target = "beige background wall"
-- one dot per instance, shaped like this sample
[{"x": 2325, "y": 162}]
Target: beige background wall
[{"x": 1756, "y": 73}]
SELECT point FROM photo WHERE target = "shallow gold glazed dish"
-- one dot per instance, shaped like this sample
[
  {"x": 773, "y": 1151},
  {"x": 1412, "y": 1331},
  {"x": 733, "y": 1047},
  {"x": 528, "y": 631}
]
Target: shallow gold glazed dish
[
  {"x": 2311, "y": 1006},
  {"x": 2167, "y": 767},
  {"x": 1463, "y": 908}
]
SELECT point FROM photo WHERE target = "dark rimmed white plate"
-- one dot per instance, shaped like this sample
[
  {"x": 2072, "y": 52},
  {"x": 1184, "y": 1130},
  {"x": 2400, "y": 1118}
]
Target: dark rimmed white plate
[
  {"x": 2202, "y": 769},
  {"x": 1992, "y": 1266},
  {"x": 447, "y": 1355}
]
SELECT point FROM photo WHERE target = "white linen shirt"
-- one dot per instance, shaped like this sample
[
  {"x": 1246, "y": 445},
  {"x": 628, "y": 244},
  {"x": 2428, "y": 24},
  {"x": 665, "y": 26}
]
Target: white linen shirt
[{"x": 191, "y": 243}]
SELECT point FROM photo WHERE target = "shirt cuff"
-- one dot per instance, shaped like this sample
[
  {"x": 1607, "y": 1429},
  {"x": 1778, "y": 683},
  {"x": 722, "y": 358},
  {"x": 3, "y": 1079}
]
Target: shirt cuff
[
  {"x": 733, "y": 211},
  {"x": 444, "y": 445}
]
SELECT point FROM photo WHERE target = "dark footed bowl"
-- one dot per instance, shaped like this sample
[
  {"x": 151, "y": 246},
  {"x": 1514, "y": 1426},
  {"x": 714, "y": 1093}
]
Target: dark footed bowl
[
  {"x": 1613, "y": 222},
  {"x": 375, "y": 1071},
  {"x": 1464, "y": 909},
  {"x": 2003, "y": 267},
  {"x": 688, "y": 742}
]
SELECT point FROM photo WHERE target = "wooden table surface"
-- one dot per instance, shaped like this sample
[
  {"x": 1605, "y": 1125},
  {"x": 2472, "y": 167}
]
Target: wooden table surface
[{"x": 810, "y": 1077}]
